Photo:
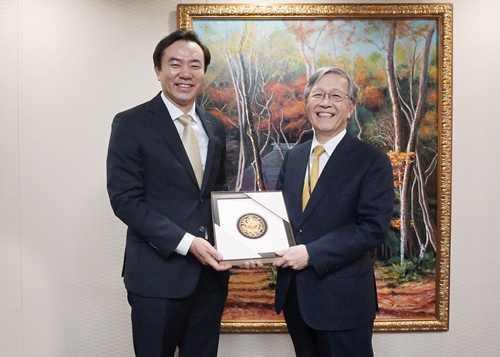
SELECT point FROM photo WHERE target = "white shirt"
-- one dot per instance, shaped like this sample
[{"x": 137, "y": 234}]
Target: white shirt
[
  {"x": 329, "y": 146},
  {"x": 186, "y": 241}
]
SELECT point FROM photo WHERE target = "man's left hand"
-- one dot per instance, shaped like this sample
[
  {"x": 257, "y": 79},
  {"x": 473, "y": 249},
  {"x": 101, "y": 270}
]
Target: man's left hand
[{"x": 295, "y": 257}]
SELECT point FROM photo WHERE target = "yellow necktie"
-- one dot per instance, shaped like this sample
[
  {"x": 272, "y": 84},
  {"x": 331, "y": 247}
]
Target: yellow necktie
[
  {"x": 312, "y": 177},
  {"x": 191, "y": 145}
]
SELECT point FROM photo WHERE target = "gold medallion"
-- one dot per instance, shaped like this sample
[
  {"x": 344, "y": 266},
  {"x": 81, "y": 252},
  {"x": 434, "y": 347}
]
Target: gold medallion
[{"x": 252, "y": 226}]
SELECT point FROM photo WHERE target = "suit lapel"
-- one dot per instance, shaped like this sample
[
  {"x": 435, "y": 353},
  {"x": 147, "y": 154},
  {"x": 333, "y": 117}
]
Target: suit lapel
[
  {"x": 337, "y": 164},
  {"x": 161, "y": 119},
  {"x": 298, "y": 166},
  {"x": 211, "y": 144}
]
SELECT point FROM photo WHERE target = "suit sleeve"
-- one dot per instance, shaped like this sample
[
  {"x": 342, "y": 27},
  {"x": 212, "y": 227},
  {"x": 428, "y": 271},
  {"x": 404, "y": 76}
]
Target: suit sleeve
[{"x": 125, "y": 183}]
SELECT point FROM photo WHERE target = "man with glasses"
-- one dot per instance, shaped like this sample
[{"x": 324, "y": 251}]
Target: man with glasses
[{"x": 339, "y": 193}]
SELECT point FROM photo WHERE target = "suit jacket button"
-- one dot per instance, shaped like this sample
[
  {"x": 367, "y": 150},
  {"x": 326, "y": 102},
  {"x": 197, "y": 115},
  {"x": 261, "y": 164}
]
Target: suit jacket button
[
  {"x": 299, "y": 231},
  {"x": 201, "y": 229}
]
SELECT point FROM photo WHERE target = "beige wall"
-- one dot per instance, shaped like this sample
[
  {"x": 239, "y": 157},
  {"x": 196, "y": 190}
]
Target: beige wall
[{"x": 66, "y": 67}]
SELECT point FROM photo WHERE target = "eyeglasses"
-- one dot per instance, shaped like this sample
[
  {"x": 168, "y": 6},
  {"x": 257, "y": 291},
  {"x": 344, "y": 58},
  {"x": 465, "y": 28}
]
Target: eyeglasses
[{"x": 335, "y": 96}]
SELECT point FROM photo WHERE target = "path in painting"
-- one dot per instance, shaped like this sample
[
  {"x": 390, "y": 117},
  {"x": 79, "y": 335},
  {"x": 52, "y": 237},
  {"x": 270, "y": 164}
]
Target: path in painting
[
  {"x": 408, "y": 300},
  {"x": 251, "y": 298}
]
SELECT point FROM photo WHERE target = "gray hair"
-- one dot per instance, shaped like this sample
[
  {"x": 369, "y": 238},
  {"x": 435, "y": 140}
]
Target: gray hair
[{"x": 316, "y": 76}]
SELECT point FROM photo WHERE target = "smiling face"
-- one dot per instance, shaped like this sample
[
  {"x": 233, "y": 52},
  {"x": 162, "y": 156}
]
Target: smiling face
[
  {"x": 181, "y": 74},
  {"x": 327, "y": 117}
]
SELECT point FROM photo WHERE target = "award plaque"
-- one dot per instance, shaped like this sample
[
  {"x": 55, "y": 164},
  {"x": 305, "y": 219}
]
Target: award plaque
[{"x": 250, "y": 225}]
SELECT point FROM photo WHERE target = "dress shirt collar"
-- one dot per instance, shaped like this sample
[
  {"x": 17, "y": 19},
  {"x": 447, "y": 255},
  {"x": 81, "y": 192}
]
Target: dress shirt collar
[
  {"x": 331, "y": 144},
  {"x": 176, "y": 112}
]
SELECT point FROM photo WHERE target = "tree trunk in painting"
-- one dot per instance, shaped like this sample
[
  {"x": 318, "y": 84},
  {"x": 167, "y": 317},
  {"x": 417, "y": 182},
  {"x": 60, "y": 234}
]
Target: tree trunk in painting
[
  {"x": 248, "y": 117},
  {"x": 302, "y": 31},
  {"x": 413, "y": 146},
  {"x": 391, "y": 75},
  {"x": 404, "y": 107},
  {"x": 241, "y": 126}
]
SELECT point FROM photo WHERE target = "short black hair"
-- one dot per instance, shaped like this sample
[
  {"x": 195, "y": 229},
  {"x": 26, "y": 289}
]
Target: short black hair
[{"x": 186, "y": 35}]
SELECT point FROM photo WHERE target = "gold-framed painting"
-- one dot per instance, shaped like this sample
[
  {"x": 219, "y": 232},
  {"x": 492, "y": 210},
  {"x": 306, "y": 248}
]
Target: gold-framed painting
[{"x": 400, "y": 56}]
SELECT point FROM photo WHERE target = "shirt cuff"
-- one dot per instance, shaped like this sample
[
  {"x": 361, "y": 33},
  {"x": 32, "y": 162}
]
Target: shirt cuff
[{"x": 185, "y": 244}]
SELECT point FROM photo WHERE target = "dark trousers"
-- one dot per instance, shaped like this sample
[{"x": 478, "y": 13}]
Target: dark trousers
[
  {"x": 192, "y": 324},
  {"x": 309, "y": 342}
]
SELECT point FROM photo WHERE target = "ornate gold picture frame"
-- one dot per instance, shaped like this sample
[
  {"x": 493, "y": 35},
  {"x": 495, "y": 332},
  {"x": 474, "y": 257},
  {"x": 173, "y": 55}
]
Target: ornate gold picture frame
[{"x": 400, "y": 55}]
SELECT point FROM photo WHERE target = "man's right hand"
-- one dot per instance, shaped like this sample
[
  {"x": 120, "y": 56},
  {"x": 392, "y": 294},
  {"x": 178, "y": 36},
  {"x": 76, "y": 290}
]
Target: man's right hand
[{"x": 207, "y": 255}]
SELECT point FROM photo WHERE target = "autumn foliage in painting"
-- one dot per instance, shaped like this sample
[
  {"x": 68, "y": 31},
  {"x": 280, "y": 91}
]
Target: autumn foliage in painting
[{"x": 255, "y": 85}]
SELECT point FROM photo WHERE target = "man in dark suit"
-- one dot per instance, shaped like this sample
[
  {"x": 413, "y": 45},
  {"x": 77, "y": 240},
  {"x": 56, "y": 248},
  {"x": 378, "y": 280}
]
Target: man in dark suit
[
  {"x": 176, "y": 286},
  {"x": 326, "y": 284}
]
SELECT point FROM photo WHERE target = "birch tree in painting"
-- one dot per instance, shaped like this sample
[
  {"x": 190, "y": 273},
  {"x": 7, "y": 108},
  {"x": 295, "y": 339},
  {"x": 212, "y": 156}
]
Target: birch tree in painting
[
  {"x": 408, "y": 88},
  {"x": 252, "y": 69}
]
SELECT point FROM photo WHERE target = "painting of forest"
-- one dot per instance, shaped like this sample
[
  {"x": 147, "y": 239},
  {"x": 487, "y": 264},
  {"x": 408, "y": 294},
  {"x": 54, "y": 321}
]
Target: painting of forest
[{"x": 255, "y": 84}]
